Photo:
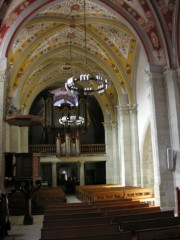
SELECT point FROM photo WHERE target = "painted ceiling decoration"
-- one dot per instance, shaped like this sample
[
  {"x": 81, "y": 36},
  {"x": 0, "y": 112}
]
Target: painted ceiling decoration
[{"x": 39, "y": 50}]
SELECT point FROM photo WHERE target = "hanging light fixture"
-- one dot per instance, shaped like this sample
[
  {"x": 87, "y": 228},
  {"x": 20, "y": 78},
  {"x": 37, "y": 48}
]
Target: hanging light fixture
[
  {"x": 71, "y": 116},
  {"x": 71, "y": 120},
  {"x": 86, "y": 84}
]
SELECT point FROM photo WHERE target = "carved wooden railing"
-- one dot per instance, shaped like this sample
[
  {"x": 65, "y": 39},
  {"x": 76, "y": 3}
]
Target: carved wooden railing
[
  {"x": 84, "y": 148},
  {"x": 92, "y": 148}
]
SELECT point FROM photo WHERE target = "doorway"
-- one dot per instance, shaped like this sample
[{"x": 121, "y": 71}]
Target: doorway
[
  {"x": 67, "y": 177},
  {"x": 95, "y": 173}
]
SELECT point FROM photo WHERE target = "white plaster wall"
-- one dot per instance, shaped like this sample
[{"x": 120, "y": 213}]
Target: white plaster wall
[{"x": 143, "y": 107}]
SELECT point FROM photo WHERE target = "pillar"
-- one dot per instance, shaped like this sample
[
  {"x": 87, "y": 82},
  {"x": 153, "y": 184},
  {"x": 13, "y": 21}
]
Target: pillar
[
  {"x": 58, "y": 145},
  {"x": 3, "y": 79},
  {"x": 54, "y": 175},
  {"x": 173, "y": 99},
  {"x": 160, "y": 132},
  {"x": 112, "y": 164},
  {"x": 135, "y": 157},
  {"x": 8, "y": 143},
  {"x": 15, "y": 139},
  {"x": 24, "y": 144},
  {"x": 125, "y": 146},
  {"x": 81, "y": 166},
  {"x": 77, "y": 144}
]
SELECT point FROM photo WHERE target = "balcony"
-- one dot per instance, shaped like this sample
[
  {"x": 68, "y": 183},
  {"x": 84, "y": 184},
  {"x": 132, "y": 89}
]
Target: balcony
[{"x": 50, "y": 149}]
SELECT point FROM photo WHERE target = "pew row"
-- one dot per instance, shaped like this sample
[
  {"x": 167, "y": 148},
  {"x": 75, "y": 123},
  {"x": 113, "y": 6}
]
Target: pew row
[
  {"x": 40, "y": 199},
  {"x": 97, "y": 193},
  {"x": 143, "y": 216},
  {"x": 92, "y": 208},
  {"x": 93, "y": 236},
  {"x": 97, "y": 212},
  {"x": 133, "y": 211},
  {"x": 69, "y": 231},
  {"x": 77, "y": 222},
  {"x": 134, "y": 226},
  {"x": 163, "y": 233},
  {"x": 73, "y": 216}
]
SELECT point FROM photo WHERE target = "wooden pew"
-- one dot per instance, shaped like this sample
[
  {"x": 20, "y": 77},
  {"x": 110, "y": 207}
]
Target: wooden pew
[
  {"x": 133, "y": 211},
  {"x": 114, "y": 192},
  {"x": 41, "y": 198},
  {"x": 67, "y": 205},
  {"x": 93, "y": 236},
  {"x": 73, "y": 216},
  {"x": 165, "y": 233},
  {"x": 92, "y": 208},
  {"x": 104, "y": 204},
  {"x": 77, "y": 222},
  {"x": 82, "y": 191},
  {"x": 59, "y": 233},
  {"x": 134, "y": 226},
  {"x": 115, "y": 202},
  {"x": 143, "y": 216},
  {"x": 126, "y": 193},
  {"x": 121, "y": 207},
  {"x": 72, "y": 210}
]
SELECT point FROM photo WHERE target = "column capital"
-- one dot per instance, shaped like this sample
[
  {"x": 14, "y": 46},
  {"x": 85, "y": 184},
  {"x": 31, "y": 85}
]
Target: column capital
[
  {"x": 3, "y": 64},
  {"x": 170, "y": 75},
  {"x": 133, "y": 109},
  {"x": 110, "y": 125},
  {"x": 124, "y": 110},
  {"x": 3, "y": 75},
  {"x": 178, "y": 74},
  {"x": 150, "y": 77}
]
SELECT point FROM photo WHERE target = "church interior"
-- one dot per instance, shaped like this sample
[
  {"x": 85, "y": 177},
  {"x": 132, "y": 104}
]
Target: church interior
[{"x": 89, "y": 119}]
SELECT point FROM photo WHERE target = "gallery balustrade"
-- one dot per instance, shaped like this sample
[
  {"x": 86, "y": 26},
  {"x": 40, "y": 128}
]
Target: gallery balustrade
[{"x": 84, "y": 149}]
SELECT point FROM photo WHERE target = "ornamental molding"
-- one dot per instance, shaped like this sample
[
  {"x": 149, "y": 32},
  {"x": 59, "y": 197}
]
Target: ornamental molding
[
  {"x": 124, "y": 110},
  {"x": 170, "y": 75}
]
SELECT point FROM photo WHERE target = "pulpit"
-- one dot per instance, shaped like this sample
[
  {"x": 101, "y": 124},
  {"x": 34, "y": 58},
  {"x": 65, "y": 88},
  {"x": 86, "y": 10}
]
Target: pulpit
[{"x": 27, "y": 179}]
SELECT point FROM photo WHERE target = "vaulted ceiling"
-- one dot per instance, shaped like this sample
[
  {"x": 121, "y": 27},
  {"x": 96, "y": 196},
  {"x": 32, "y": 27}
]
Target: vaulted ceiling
[{"x": 35, "y": 37}]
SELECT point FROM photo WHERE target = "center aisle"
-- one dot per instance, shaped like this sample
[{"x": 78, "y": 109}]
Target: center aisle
[{"x": 72, "y": 199}]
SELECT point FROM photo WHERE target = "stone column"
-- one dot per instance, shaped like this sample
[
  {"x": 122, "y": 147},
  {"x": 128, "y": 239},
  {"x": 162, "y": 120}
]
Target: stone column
[
  {"x": 8, "y": 143},
  {"x": 24, "y": 139},
  {"x": 15, "y": 139},
  {"x": 178, "y": 76},
  {"x": 112, "y": 165},
  {"x": 82, "y": 181},
  {"x": 3, "y": 79},
  {"x": 173, "y": 99},
  {"x": 77, "y": 144},
  {"x": 54, "y": 175},
  {"x": 58, "y": 145},
  {"x": 125, "y": 146},
  {"x": 163, "y": 178},
  {"x": 136, "y": 175}
]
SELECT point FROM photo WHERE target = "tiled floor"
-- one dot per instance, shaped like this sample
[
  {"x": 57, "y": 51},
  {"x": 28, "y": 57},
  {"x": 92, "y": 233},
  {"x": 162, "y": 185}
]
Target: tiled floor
[{"x": 30, "y": 232}]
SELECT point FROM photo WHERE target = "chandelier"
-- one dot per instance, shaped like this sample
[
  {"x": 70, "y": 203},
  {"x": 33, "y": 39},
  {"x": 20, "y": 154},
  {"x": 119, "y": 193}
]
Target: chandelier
[
  {"x": 72, "y": 121},
  {"x": 86, "y": 83},
  {"x": 93, "y": 84},
  {"x": 74, "y": 116}
]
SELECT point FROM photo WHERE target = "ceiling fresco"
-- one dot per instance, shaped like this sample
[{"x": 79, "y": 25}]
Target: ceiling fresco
[{"x": 50, "y": 45}]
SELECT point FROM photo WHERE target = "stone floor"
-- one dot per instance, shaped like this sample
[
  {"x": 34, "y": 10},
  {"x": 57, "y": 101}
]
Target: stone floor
[{"x": 29, "y": 232}]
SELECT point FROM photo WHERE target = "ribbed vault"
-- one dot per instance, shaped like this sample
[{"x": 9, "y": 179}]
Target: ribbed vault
[{"x": 38, "y": 51}]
